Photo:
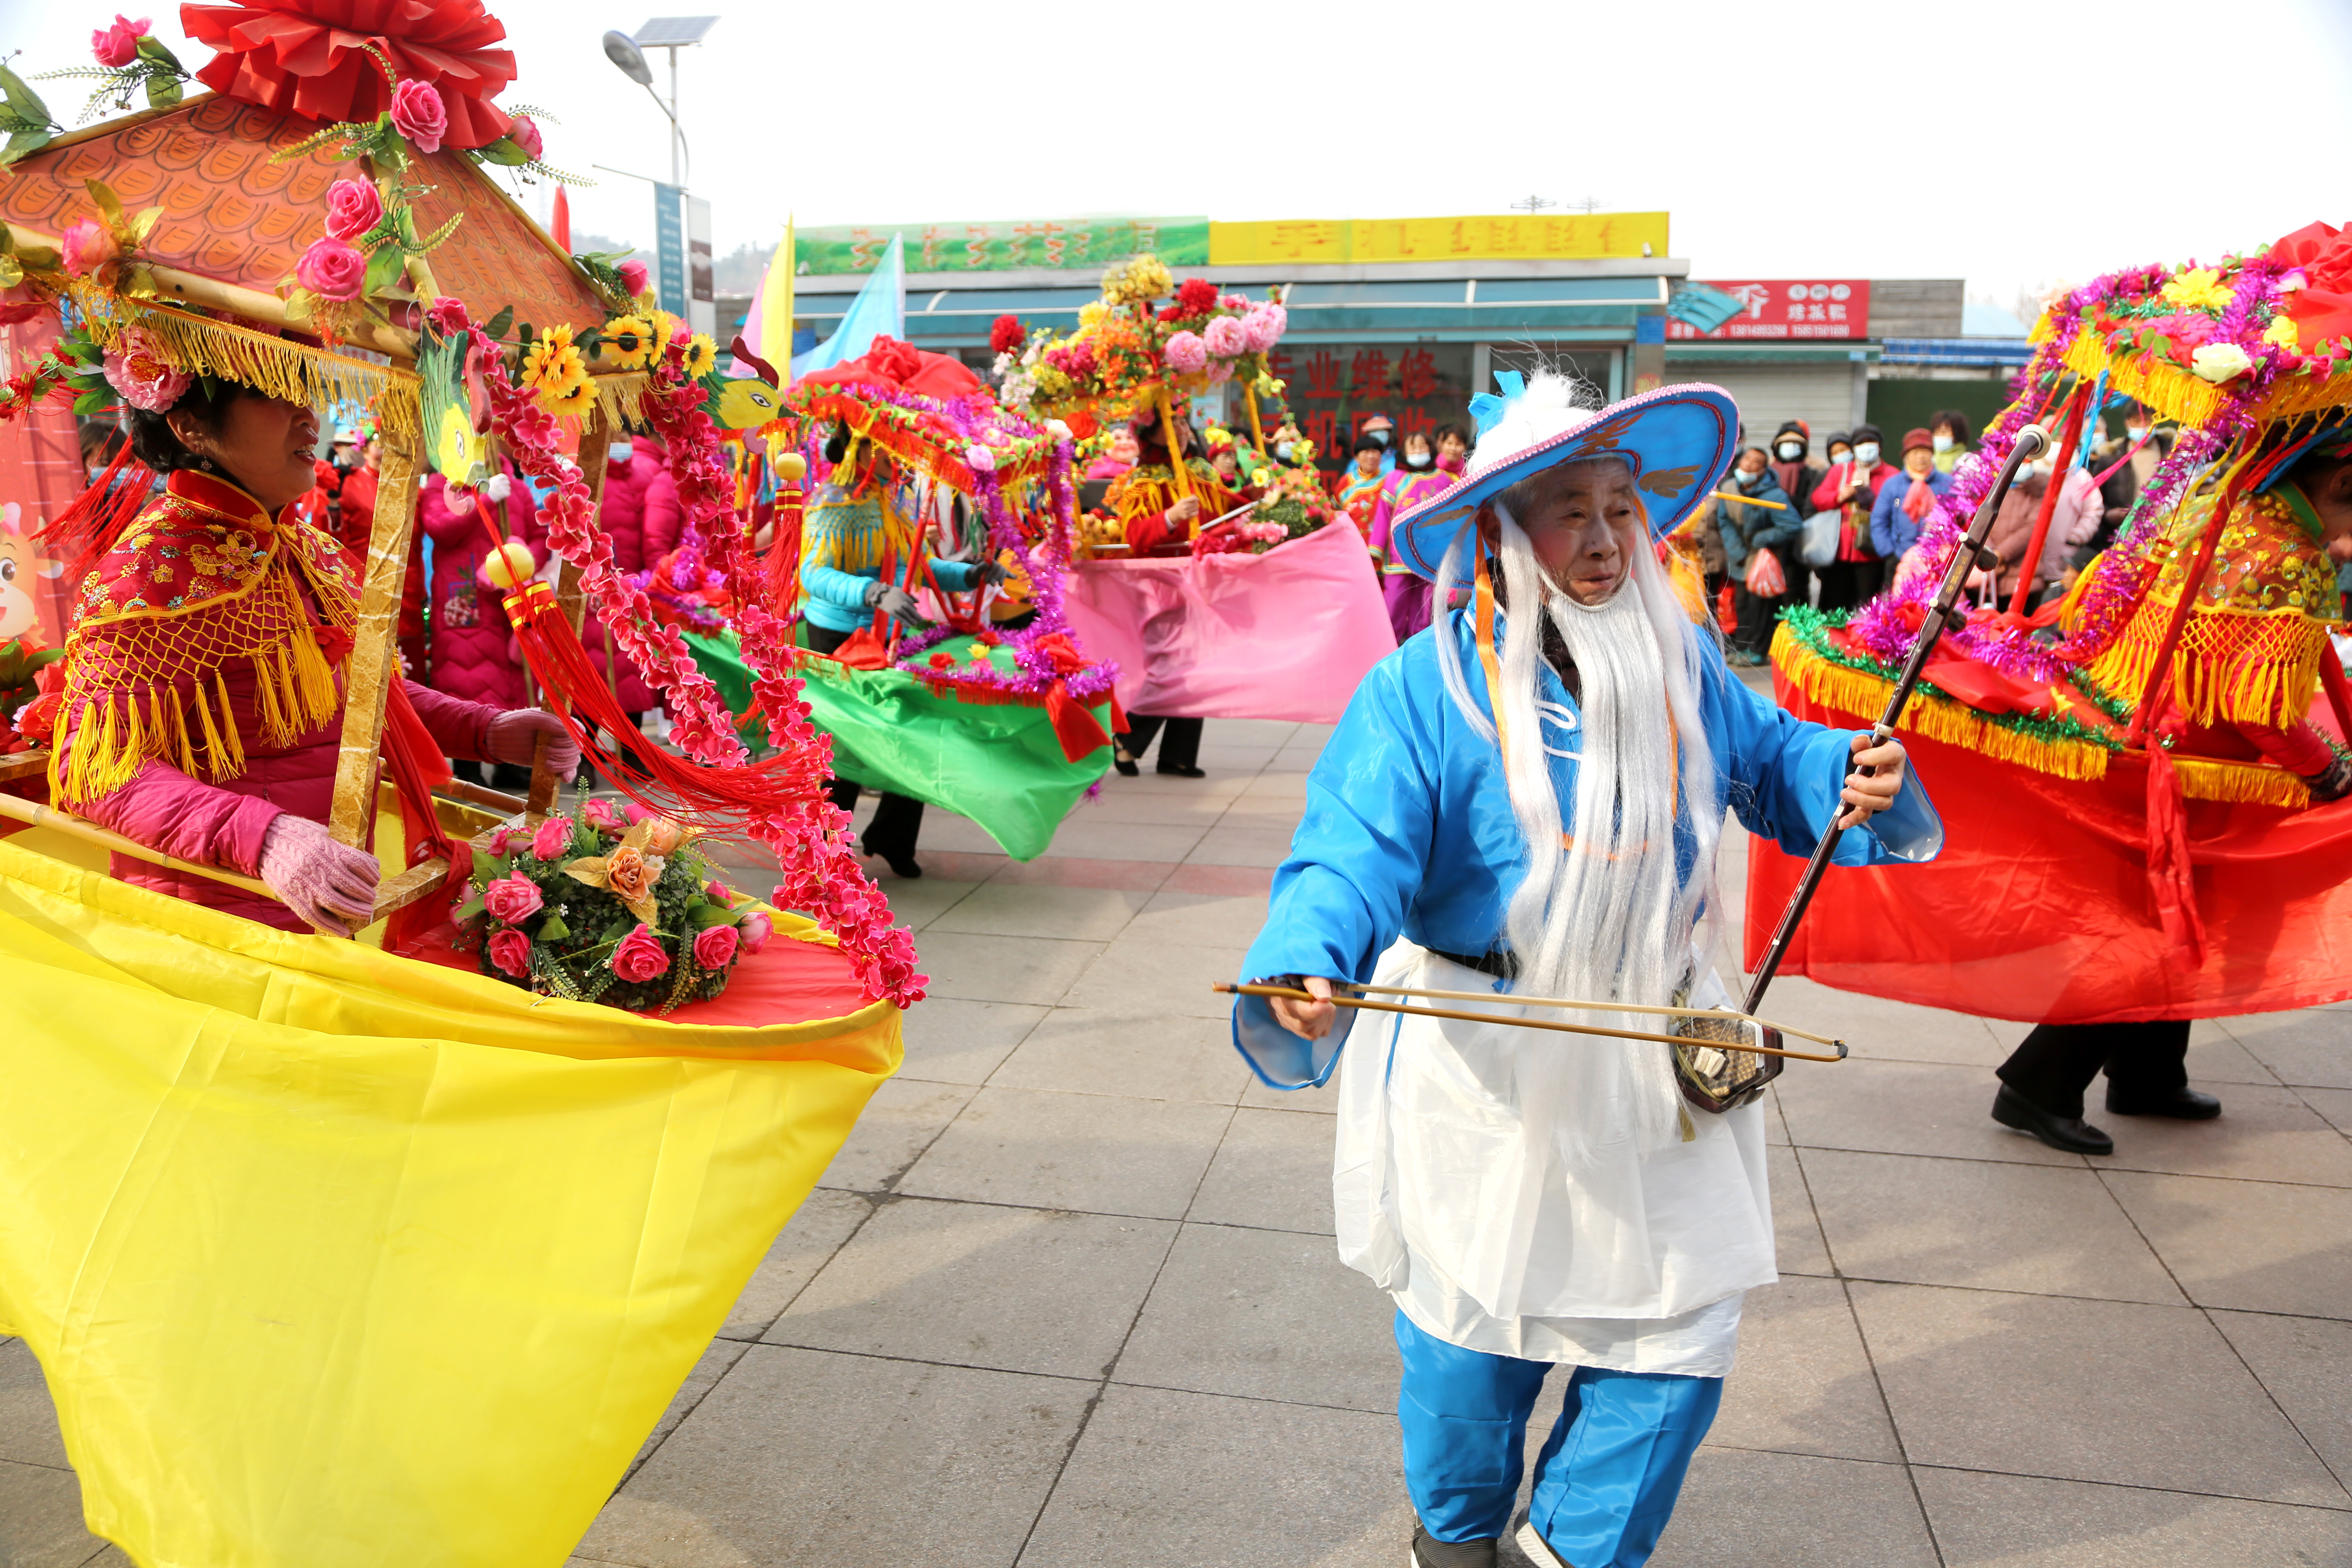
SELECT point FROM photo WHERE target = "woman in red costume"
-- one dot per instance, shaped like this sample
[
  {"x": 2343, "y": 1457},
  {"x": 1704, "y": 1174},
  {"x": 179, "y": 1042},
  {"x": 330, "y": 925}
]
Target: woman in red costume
[{"x": 202, "y": 703}]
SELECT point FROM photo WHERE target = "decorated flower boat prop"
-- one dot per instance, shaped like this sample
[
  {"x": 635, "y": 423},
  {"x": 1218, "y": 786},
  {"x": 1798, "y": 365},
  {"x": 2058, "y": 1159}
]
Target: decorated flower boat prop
[
  {"x": 1255, "y": 623},
  {"x": 1000, "y": 716},
  {"x": 2128, "y": 774},
  {"x": 334, "y": 1248}
]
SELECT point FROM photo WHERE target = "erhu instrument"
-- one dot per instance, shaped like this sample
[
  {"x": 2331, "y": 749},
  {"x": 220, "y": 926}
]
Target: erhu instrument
[
  {"x": 1944, "y": 616},
  {"x": 1723, "y": 1059}
]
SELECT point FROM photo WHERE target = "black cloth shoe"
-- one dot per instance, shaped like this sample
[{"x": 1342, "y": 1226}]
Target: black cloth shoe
[
  {"x": 1125, "y": 764},
  {"x": 2183, "y": 1102},
  {"x": 1179, "y": 771},
  {"x": 1428, "y": 1552},
  {"x": 2070, "y": 1133},
  {"x": 900, "y": 865}
]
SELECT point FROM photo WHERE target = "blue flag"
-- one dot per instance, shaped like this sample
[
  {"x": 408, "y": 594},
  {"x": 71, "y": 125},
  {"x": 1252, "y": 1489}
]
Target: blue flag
[{"x": 879, "y": 310}]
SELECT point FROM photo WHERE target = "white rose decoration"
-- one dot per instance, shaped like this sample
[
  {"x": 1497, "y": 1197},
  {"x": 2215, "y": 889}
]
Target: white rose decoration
[{"x": 2218, "y": 362}]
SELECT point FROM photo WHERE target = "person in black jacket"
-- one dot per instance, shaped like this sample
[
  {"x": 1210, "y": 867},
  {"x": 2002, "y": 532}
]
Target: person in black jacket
[{"x": 1794, "y": 471}]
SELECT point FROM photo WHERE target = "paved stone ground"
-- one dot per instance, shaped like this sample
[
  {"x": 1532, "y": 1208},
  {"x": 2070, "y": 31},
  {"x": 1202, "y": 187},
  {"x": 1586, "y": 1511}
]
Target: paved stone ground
[{"x": 1068, "y": 1297}]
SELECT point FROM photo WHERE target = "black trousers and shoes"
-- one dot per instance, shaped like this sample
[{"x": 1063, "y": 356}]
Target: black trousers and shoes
[
  {"x": 1846, "y": 584},
  {"x": 1180, "y": 750},
  {"x": 2043, "y": 1080},
  {"x": 898, "y": 818}
]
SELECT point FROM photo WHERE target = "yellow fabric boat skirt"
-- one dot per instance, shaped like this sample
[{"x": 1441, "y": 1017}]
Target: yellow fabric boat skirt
[{"x": 335, "y": 1259}]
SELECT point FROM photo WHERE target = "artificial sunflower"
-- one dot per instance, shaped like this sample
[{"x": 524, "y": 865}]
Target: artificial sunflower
[
  {"x": 553, "y": 366},
  {"x": 701, "y": 357},
  {"x": 574, "y": 404},
  {"x": 628, "y": 344}
]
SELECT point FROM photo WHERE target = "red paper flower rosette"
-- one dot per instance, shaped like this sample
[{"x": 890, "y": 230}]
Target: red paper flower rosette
[{"x": 304, "y": 57}]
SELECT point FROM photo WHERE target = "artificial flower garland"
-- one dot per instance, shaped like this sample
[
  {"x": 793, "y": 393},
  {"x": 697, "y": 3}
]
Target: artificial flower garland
[{"x": 811, "y": 840}]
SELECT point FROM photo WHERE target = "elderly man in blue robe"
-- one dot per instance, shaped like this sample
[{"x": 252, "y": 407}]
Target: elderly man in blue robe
[{"x": 1528, "y": 796}]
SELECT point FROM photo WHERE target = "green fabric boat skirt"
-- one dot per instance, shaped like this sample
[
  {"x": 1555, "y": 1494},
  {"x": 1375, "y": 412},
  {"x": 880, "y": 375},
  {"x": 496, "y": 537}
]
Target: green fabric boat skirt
[{"x": 998, "y": 763}]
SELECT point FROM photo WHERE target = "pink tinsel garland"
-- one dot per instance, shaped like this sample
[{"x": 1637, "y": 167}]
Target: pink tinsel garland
[{"x": 1887, "y": 626}]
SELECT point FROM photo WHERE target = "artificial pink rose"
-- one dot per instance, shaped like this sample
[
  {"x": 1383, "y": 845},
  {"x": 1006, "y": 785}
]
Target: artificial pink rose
[
  {"x": 717, "y": 893},
  {"x": 634, "y": 277},
  {"x": 511, "y": 951},
  {"x": 1226, "y": 337},
  {"x": 640, "y": 958},
  {"x": 88, "y": 246},
  {"x": 525, "y": 134},
  {"x": 448, "y": 317},
  {"x": 331, "y": 269},
  {"x": 511, "y": 898},
  {"x": 715, "y": 948},
  {"x": 418, "y": 113},
  {"x": 353, "y": 209},
  {"x": 604, "y": 818},
  {"x": 756, "y": 928},
  {"x": 502, "y": 841},
  {"x": 553, "y": 837},
  {"x": 1187, "y": 354},
  {"x": 118, "y": 46},
  {"x": 136, "y": 368},
  {"x": 635, "y": 811}
]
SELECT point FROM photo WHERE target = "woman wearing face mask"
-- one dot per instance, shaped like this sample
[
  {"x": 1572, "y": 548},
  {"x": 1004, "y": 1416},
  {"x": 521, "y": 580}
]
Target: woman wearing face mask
[
  {"x": 1903, "y": 507},
  {"x": 2129, "y": 462},
  {"x": 1794, "y": 471},
  {"x": 1947, "y": 430},
  {"x": 1427, "y": 465},
  {"x": 2076, "y": 516},
  {"x": 1748, "y": 533},
  {"x": 471, "y": 651},
  {"x": 1851, "y": 489},
  {"x": 641, "y": 512}
]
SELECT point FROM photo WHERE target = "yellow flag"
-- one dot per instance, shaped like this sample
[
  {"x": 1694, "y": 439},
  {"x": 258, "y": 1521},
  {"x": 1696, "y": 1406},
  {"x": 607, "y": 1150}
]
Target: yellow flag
[{"x": 775, "y": 344}]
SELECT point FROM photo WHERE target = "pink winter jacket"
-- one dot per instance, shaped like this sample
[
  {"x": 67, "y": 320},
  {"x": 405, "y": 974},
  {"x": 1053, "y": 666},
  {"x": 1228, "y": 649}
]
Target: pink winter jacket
[
  {"x": 642, "y": 514},
  {"x": 223, "y": 824},
  {"x": 472, "y": 648}
]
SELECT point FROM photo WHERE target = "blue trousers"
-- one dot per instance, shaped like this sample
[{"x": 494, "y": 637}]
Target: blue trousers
[{"x": 1607, "y": 1479}]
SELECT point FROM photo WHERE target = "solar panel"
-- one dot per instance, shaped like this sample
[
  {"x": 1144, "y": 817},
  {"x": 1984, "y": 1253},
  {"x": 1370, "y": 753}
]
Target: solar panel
[{"x": 664, "y": 31}]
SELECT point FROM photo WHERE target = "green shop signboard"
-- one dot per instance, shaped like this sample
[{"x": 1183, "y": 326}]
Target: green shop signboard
[{"x": 1078, "y": 245}]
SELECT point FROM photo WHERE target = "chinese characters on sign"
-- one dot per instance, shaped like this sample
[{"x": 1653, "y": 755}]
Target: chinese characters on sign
[
  {"x": 1081, "y": 243},
  {"x": 1784, "y": 309},
  {"x": 1335, "y": 388}
]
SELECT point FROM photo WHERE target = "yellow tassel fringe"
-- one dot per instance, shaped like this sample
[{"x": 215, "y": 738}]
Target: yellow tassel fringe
[
  {"x": 2256, "y": 784},
  {"x": 292, "y": 371},
  {"x": 2179, "y": 394},
  {"x": 1862, "y": 694}
]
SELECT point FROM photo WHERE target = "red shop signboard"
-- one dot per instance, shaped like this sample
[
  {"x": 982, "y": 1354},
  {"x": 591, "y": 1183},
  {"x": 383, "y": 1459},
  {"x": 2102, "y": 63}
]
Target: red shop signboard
[{"x": 1781, "y": 309}]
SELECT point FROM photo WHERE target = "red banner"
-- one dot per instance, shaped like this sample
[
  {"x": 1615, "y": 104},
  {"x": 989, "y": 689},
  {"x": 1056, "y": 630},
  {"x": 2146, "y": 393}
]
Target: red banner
[
  {"x": 2039, "y": 909},
  {"x": 1786, "y": 309}
]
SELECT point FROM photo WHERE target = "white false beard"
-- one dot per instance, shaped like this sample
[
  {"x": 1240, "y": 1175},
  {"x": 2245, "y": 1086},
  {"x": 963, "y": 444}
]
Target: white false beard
[{"x": 1606, "y": 917}]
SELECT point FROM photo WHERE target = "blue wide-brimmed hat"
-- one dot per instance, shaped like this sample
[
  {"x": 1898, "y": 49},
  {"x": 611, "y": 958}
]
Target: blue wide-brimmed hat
[{"x": 1678, "y": 440}]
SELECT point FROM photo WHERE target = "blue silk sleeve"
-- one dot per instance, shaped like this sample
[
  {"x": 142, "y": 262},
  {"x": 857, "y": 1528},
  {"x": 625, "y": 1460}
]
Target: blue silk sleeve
[{"x": 1785, "y": 775}]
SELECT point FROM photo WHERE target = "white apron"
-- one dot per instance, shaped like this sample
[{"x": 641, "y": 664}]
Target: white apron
[{"x": 1634, "y": 1262}]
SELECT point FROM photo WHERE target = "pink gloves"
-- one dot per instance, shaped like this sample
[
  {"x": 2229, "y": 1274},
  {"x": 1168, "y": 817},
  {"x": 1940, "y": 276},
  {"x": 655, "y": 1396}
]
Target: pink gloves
[
  {"x": 513, "y": 736},
  {"x": 332, "y": 886}
]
